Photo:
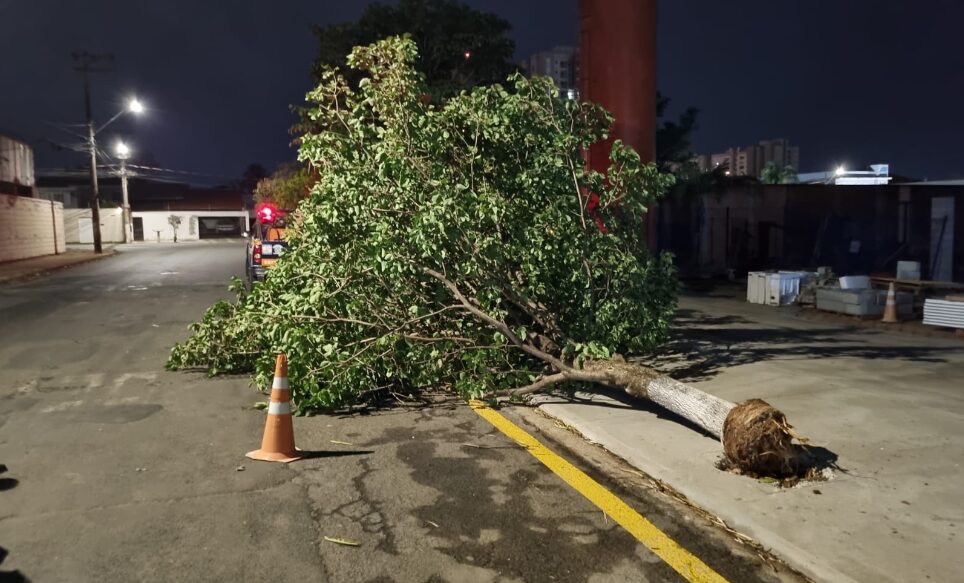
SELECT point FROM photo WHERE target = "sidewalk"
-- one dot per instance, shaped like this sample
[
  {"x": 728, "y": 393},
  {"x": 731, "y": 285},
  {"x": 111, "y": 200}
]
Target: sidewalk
[
  {"x": 22, "y": 269},
  {"x": 889, "y": 404}
]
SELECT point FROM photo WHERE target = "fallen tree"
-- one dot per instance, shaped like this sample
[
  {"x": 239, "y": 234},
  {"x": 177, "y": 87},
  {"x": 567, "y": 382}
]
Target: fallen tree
[{"x": 456, "y": 245}]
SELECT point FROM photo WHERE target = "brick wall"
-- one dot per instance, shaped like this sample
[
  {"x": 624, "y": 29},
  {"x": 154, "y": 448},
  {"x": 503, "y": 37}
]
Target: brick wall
[{"x": 30, "y": 227}]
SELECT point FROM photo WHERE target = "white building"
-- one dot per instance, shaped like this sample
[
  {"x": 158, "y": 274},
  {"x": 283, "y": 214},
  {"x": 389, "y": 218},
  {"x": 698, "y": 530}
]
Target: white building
[
  {"x": 750, "y": 160},
  {"x": 878, "y": 174},
  {"x": 560, "y": 63},
  {"x": 158, "y": 227}
]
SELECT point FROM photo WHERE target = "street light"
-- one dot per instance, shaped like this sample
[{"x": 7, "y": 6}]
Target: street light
[
  {"x": 123, "y": 152},
  {"x": 133, "y": 106}
]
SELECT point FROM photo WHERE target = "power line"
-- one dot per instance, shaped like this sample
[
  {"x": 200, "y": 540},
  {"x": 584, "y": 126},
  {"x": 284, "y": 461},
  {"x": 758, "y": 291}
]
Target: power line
[
  {"x": 154, "y": 169},
  {"x": 185, "y": 172}
]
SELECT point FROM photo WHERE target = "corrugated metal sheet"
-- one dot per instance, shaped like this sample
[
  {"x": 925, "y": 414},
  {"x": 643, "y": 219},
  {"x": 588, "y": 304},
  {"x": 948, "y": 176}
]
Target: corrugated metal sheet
[{"x": 944, "y": 313}]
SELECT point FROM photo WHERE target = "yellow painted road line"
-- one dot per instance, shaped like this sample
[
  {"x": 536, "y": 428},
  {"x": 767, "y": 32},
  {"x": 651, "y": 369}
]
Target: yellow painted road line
[{"x": 677, "y": 557}]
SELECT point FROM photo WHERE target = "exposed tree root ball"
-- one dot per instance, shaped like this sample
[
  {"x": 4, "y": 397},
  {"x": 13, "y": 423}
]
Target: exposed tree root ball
[{"x": 758, "y": 440}]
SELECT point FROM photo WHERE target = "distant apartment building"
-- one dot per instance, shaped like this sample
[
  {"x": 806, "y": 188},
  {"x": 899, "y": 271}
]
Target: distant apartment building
[
  {"x": 750, "y": 160},
  {"x": 560, "y": 63}
]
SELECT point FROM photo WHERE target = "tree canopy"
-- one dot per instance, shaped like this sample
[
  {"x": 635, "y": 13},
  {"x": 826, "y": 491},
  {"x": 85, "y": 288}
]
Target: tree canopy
[
  {"x": 448, "y": 245},
  {"x": 286, "y": 186},
  {"x": 459, "y": 47},
  {"x": 773, "y": 173},
  {"x": 674, "y": 138}
]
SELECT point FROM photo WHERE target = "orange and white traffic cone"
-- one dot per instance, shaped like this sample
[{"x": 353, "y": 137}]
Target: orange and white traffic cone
[
  {"x": 890, "y": 310},
  {"x": 278, "y": 443}
]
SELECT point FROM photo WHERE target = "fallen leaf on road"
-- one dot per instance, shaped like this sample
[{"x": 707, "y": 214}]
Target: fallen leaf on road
[
  {"x": 343, "y": 541},
  {"x": 261, "y": 405},
  {"x": 240, "y": 468},
  {"x": 341, "y": 442}
]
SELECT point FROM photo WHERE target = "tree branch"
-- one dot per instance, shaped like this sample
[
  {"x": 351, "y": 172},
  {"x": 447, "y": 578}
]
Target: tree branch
[
  {"x": 560, "y": 377},
  {"x": 498, "y": 325}
]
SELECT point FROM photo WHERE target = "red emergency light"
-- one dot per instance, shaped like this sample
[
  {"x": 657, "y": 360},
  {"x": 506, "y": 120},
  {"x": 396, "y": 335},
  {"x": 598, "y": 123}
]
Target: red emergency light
[{"x": 267, "y": 212}]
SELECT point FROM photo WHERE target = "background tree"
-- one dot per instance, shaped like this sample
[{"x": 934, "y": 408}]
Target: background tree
[
  {"x": 460, "y": 47},
  {"x": 253, "y": 174},
  {"x": 175, "y": 222},
  {"x": 448, "y": 246},
  {"x": 674, "y": 154},
  {"x": 773, "y": 173},
  {"x": 674, "y": 138},
  {"x": 287, "y": 186}
]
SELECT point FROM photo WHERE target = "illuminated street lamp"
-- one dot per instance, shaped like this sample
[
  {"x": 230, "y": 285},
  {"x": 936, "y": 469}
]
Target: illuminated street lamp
[
  {"x": 123, "y": 152},
  {"x": 133, "y": 106}
]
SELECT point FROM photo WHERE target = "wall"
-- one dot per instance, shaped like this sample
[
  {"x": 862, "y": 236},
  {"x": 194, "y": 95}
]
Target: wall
[
  {"x": 77, "y": 227},
  {"x": 187, "y": 231},
  {"x": 853, "y": 229},
  {"x": 70, "y": 196},
  {"x": 738, "y": 228},
  {"x": 30, "y": 227}
]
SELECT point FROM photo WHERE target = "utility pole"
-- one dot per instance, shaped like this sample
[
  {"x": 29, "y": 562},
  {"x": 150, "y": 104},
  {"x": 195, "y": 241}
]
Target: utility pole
[
  {"x": 127, "y": 205},
  {"x": 123, "y": 154},
  {"x": 86, "y": 63}
]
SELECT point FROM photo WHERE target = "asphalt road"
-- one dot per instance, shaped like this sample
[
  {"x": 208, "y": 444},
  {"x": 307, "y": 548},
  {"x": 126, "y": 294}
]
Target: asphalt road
[{"x": 122, "y": 471}]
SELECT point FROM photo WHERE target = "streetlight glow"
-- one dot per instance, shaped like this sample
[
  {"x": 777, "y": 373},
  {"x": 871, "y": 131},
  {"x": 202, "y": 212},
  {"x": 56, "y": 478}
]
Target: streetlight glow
[
  {"x": 135, "y": 106},
  {"x": 122, "y": 150}
]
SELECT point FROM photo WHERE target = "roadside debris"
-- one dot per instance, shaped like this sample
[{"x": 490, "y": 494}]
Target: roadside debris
[{"x": 343, "y": 541}]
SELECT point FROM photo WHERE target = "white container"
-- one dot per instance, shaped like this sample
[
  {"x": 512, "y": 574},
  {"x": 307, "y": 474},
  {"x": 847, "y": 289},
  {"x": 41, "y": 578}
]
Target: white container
[
  {"x": 756, "y": 287},
  {"x": 783, "y": 288},
  {"x": 855, "y": 282}
]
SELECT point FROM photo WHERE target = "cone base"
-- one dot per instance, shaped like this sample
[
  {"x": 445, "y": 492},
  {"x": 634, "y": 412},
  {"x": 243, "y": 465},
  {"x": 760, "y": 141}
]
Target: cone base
[{"x": 272, "y": 456}]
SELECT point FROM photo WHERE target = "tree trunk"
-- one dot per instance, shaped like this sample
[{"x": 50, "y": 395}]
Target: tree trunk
[
  {"x": 756, "y": 437},
  {"x": 702, "y": 409},
  {"x": 705, "y": 410}
]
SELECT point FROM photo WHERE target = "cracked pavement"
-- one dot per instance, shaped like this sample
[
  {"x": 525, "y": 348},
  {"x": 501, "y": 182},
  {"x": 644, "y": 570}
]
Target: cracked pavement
[{"x": 122, "y": 471}]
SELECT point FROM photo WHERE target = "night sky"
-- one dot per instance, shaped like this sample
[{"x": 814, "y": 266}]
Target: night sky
[{"x": 852, "y": 82}]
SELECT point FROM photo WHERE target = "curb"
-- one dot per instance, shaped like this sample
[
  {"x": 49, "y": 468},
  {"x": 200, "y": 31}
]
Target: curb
[{"x": 19, "y": 278}]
